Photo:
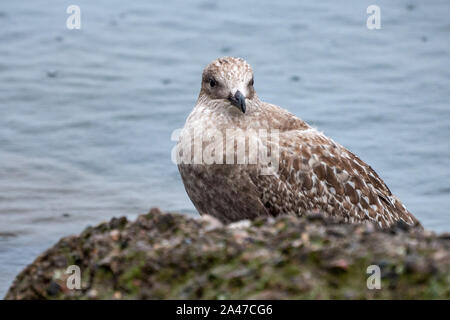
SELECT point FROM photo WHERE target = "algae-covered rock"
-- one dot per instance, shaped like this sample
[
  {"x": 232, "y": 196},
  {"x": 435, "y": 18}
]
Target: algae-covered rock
[{"x": 172, "y": 256}]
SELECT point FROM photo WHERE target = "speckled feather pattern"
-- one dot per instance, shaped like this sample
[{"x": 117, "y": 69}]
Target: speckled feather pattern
[{"x": 315, "y": 173}]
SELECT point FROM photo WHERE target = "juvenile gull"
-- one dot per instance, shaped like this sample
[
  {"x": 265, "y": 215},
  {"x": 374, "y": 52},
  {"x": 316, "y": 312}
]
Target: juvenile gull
[{"x": 313, "y": 173}]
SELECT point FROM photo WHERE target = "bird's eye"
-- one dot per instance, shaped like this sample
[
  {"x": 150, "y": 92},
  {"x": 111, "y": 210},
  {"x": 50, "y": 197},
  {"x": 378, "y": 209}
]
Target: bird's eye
[
  {"x": 212, "y": 83},
  {"x": 251, "y": 82}
]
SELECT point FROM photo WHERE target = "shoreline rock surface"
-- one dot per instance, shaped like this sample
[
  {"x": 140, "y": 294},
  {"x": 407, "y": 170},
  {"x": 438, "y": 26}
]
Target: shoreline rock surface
[{"x": 173, "y": 256}]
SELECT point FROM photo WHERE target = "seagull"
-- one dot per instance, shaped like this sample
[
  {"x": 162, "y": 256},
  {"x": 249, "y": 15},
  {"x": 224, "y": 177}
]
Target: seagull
[{"x": 312, "y": 174}]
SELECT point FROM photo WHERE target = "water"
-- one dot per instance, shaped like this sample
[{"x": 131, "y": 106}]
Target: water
[{"x": 87, "y": 115}]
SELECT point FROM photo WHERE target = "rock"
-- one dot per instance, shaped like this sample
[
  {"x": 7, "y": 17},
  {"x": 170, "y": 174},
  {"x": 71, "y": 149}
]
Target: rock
[
  {"x": 115, "y": 235},
  {"x": 240, "y": 224},
  {"x": 211, "y": 223},
  {"x": 173, "y": 256}
]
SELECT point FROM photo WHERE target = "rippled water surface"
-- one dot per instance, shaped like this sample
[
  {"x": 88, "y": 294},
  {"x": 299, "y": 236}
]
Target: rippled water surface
[{"x": 87, "y": 115}]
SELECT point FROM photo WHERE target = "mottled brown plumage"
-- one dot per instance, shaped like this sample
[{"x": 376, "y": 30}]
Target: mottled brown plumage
[{"x": 314, "y": 173}]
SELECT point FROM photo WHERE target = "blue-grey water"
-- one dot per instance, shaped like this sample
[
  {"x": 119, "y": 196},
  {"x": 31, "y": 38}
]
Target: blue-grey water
[{"x": 86, "y": 115}]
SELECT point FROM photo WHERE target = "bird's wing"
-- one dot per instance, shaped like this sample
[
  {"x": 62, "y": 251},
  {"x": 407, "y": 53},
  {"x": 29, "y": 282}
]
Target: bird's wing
[{"x": 316, "y": 173}]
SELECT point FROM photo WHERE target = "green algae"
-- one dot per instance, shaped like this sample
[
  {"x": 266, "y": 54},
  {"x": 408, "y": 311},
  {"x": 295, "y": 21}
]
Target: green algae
[{"x": 171, "y": 256}]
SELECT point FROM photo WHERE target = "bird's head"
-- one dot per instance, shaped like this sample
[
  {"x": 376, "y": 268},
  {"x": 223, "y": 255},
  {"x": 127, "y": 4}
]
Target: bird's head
[{"x": 229, "y": 80}]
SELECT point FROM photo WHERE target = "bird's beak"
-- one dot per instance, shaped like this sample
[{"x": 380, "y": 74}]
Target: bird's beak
[{"x": 238, "y": 100}]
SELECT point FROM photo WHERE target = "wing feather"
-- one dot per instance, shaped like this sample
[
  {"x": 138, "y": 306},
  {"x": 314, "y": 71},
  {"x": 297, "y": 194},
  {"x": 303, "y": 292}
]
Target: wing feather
[{"x": 316, "y": 173}]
